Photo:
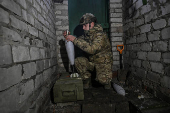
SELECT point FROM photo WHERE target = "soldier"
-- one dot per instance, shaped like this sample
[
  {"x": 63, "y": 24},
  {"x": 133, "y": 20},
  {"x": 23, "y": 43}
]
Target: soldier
[{"x": 96, "y": 43}]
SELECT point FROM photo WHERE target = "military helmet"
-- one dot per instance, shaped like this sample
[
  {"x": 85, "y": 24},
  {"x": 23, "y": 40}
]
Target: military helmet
[{"x": 87, "y": 18}]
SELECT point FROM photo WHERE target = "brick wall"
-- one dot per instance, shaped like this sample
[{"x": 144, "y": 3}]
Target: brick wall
[
  {"x": 116, "y": 31},
  {"x": 62, "y": 24},
  {"x": 146, "y": 36},
  {"x": 28, "y": 54}
]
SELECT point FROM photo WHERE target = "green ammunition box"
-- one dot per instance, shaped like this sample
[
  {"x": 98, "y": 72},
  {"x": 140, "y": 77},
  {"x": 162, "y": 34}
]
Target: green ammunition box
[{"x": 67, "y": 89}]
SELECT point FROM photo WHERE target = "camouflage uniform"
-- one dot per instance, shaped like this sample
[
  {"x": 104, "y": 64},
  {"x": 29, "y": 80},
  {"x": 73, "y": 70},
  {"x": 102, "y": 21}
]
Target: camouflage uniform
[{"x": 96, "y": 43}]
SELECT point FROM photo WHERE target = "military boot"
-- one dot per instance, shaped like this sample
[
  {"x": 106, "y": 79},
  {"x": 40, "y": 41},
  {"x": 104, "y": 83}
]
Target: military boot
[
  {"x": 86, "y": 83},
  {"x": 107, "y": 86}
]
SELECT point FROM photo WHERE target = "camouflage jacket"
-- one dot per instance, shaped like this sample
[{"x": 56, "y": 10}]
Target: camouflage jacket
[{"x": 96, "y": 44}]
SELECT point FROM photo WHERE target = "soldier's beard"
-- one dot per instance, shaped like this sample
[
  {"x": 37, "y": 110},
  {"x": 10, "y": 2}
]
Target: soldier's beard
[{"x": 86, "y": 31}]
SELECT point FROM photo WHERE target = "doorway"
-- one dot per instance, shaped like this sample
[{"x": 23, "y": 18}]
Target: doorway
[{"x": 77, "y": 8}]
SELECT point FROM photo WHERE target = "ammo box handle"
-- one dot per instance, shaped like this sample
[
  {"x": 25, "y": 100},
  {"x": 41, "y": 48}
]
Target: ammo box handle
[{"x": 68, "y": 93}]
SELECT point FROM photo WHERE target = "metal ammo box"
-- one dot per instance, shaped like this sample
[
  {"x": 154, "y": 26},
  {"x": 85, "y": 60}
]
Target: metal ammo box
[{"x": 67, "y": 89}]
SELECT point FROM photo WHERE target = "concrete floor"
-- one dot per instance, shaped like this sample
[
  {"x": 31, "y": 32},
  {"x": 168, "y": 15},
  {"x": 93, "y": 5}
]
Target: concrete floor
[{"x": 99, "y": 100}]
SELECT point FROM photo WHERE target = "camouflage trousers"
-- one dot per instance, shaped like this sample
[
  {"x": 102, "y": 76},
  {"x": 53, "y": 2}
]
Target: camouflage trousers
[{"x": 103, "y": 71}]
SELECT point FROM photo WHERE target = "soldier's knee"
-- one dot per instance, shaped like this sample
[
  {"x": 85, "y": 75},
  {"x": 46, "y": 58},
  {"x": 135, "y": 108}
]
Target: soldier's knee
[{"x": 80, "y": 60}]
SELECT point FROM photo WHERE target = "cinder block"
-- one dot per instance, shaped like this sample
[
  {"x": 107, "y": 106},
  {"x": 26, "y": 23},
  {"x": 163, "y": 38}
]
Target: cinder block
[
  {"x": 34, "y": 53},
  {"x": 10, "y": 100},
  {"x": 157, "y": 67},
  {"x": 6, "y": 80},
  {"x": 61, "y": 28},
  {"x": 160, "y": 46},
  {"x": 165, "y": 33},
  {"x": 138, "y": 4},
  {"x": 27, "y": 41},
  {"x": 116, "y": 39},
  {"x": 115, "y": 1},
  {"x": 37, "y": 6},
  {"x": 145, "y": 28},
  {"x": 24, "y": 14},
  {"x": 142, "y": 55},
  {"x": 133, "y": 55},
  {"x": 12, "y": 6},
  {"x": 116, "y": 24},
  {"x": 32, "y": 11},
  {"x": 159, "y": 24},
  {"x": 150, "y": 16},
  {"x": 141, "y": 38},
  {"x": 6, "y": 55},
  {"x": 26, "y": 89},
  {"x": 38, "y": 81},
  {"x": 38, "y": 43},
  {"x": 46, "y": 63},
  {"x": 45, "y": 30},
  {"x": 116, "y": 15},
  {"x": 33, "y": 31},
  {"x": 61, "y": 7},
  {"x": 116, "y": 34},
  {"x": 166, "y": 57},
  {"x": 154, "y": 56},
  {"x": 62, "y": 17},
  {"x": 58, "y": 12},
  {"x": 139, "y": 22},
  {"x": 22, "y": 3},
  {"x": 167, "y": 70},
  {"x": 4, "y": 16},
  {"x": 41, "y": 19},
  {"x": 146, "y": 47},
  {"x": 10, "y": 34},
  {"x": 131, "y": 40},
  {"x": 136, "y": 47},
  {"x": 137, "y": 63},
  {"x": 118, "y": 10},
  {"x": 58, "y": 23},
  {"x": 38, "y": 25},
  {"x": 116, "y": 62},
  {"x": 146, "y": 65},
  {"x": 39, "y": 65},
  {"x": 145, "y": 9},
  {"x": 18, "y": 23},
  {"x": 115, "y": 5},
  {"x": 64, "y": 22},
  {"x": 116, "y": 43},
  {"x": 154, "y": 77},
  {"x": 42, "y": 35},
  {"x": 20, "y": 53},
  {"x": 29, "y": 70},
  {"x": 46, "y": 74},
  {"x": 116, "y": 20},
  {"x": 42, "y": 53},
  {"x": 154, "y": 36},
  {"x": 165, "y": 9},
  {"x": 30, "y": 19}
]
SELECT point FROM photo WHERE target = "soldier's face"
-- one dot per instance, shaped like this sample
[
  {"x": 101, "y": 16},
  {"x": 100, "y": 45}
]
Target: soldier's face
[{"x": 86, "y": 26}]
